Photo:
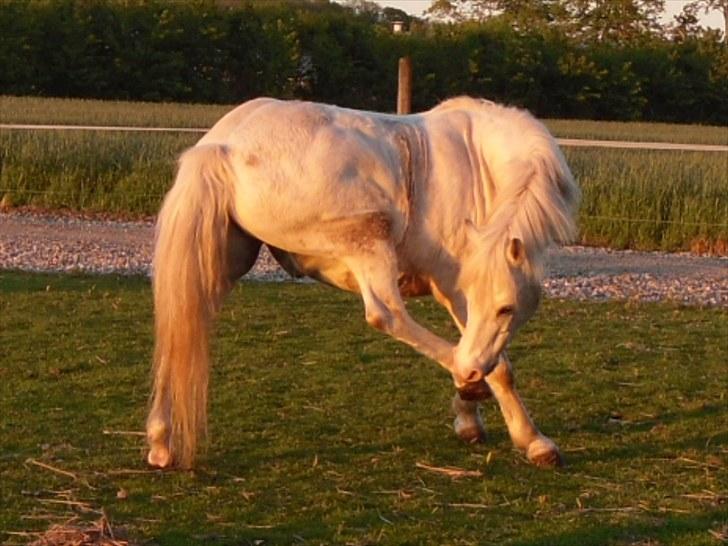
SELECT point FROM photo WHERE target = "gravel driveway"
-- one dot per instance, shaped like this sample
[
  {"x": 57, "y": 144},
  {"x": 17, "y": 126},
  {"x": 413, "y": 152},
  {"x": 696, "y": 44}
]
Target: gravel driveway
[{"x": 65, "y": 243}]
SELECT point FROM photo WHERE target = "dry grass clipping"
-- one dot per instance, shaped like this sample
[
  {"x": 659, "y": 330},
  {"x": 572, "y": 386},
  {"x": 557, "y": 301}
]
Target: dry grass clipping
[
  {"x": 73, "y": 533},
  {"x": 451, "y": 471}
]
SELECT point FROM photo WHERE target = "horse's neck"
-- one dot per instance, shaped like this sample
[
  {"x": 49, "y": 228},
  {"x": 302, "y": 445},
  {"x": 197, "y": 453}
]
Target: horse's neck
[{"x": 457, "y": 167}]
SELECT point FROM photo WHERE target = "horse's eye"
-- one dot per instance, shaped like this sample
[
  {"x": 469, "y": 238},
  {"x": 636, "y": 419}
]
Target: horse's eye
[{"x": 505, "y": 311}]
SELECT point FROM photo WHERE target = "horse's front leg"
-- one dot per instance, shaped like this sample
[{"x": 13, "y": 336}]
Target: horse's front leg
[
  {"x": 468, "y": 423},
  {"x": 540, "y": 450},
  {"x": 376, "y": 274}
]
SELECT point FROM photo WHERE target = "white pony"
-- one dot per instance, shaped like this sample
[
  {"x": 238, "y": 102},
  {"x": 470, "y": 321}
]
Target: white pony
[{"x": 459, "y": 202}]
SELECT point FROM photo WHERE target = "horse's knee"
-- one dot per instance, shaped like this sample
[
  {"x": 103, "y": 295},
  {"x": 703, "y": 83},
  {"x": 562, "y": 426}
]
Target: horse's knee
[
  {"x": 390, "y": 320},
  {"x": 380, "y": 319}
]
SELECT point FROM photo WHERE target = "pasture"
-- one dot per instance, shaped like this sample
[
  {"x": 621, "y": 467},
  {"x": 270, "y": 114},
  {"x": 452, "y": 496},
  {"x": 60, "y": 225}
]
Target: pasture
[
  {"x": 638, "y": 199},
  {"x": 321, "y": 426}
]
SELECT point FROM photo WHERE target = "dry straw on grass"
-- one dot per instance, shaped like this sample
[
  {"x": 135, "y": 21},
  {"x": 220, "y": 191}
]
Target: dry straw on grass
[
  {"x": 79, "y": 529},
  {"x": 451, "y": 471},
  {"x": 72, "y": 533}
]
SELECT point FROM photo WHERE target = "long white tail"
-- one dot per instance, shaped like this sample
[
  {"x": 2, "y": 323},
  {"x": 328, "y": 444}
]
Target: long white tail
[{"x": 190, "y": 281}]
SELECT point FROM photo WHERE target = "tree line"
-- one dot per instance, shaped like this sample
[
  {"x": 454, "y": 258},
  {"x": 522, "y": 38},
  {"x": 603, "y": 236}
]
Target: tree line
[{"x": 226, "y": 51}]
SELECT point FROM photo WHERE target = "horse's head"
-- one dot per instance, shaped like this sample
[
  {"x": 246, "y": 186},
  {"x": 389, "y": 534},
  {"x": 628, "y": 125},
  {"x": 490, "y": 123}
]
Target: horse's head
[{"x": 501, "y": 283}]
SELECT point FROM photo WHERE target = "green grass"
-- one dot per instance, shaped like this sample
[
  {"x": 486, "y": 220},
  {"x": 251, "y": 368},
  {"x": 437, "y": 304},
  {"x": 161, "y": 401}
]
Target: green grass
[
  {"x": 632, "y": 198},
  {"x": 318, "y": 422}
]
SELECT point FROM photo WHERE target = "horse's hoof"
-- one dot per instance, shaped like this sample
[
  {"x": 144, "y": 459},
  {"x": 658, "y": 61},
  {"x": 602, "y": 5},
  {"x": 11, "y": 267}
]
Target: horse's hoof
[
  {"x": 471, "y": 435},
  {"x": 159, "y": 457},
  {"x": 474, "y": 392},
  {"x": 548, "y": 459},
  {"x": 544, "y": 454}
]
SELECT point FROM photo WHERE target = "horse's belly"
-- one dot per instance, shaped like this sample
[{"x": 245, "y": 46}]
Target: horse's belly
[
  {"x": 326, "y": 270},
  {"x": 336, "y": 273}
]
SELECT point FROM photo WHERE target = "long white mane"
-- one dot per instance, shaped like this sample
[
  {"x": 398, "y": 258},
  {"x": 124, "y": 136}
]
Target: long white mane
[{"x": 535, "y": 193}]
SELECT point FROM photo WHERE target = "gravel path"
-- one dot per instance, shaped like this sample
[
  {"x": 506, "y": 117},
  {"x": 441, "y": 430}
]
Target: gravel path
[{"x": 66, "y": 243}]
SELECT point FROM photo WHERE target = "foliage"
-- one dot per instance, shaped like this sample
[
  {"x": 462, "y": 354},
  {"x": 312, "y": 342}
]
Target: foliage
[
  {"x": 616, "y": 21},
  {"x": 557, "y": 62},
  {"x": 691, "y": 10},
  {"x": 318, "y": 422}
]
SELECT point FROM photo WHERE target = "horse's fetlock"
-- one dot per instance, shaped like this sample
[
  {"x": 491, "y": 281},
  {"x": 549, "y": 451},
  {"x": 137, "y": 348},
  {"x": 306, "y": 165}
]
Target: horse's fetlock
[{"x": 156, "y": 430}]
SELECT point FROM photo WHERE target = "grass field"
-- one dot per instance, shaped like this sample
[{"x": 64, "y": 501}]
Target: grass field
[
  {"x": 318, "y": 423},
  {"x": 51, "y": 111},
  {"x": 632, "y": 198}
]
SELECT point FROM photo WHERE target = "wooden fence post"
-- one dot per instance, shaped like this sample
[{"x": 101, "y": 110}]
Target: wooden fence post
[{"x": 404, "y": 86}]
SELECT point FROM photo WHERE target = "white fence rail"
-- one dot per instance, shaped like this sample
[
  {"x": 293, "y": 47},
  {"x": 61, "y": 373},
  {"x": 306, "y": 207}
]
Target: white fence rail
[{"x": 584, "y": 143}]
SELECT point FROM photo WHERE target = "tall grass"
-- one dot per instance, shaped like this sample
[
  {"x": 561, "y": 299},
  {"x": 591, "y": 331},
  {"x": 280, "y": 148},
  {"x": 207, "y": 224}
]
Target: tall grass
[
  {"x": 37, "y": 110},
  {"x": 110, "y": 172},
  {"x": 651, "y": 199}
]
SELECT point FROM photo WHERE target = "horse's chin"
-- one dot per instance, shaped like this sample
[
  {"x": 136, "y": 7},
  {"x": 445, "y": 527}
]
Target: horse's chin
[{"x": 478, "y": 390}]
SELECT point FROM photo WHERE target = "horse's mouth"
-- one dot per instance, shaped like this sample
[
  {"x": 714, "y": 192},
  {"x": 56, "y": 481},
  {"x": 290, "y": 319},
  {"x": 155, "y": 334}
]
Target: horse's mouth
[{"x": 478, "y": 390}]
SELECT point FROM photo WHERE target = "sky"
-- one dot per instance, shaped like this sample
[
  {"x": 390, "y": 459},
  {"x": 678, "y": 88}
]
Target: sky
[{"x": 672, "y": 7}]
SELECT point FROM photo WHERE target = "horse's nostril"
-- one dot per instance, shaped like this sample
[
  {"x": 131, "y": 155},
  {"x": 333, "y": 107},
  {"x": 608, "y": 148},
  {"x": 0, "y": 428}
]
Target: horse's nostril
[{"x": 474, "y": 376}]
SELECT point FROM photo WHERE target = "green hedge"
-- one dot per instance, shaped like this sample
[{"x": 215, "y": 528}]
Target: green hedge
[{"x": 227, "y": 52}]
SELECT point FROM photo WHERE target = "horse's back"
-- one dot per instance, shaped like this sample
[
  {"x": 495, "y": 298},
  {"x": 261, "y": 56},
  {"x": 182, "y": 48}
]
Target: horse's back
[{"x": 301, "y": 167}]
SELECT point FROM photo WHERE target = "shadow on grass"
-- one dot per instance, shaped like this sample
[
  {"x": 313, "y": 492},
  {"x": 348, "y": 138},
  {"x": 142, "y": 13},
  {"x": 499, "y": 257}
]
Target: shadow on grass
[
  {"x": 299, "y": 532},
  {"x": 18, "y": 282},
  {"x": 641, "y": 443}
]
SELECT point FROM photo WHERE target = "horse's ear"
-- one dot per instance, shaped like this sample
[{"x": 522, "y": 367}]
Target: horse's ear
[{"x": 516, "y": 253}]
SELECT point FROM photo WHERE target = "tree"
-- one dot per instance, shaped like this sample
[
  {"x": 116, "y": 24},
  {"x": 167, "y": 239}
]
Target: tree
[
  {"x": 522, "y": 12},
  {"x": 615, "y": 21},
  {"x": 366, "y": 7},
  {"x": 691, "y": 10},
  {"x": 457, "y": 11},
  {"x": 393, "y": 14}
]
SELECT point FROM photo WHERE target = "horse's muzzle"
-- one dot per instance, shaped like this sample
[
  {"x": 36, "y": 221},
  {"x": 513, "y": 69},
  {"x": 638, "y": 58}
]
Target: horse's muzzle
[{"x": 478, "y": 390}]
